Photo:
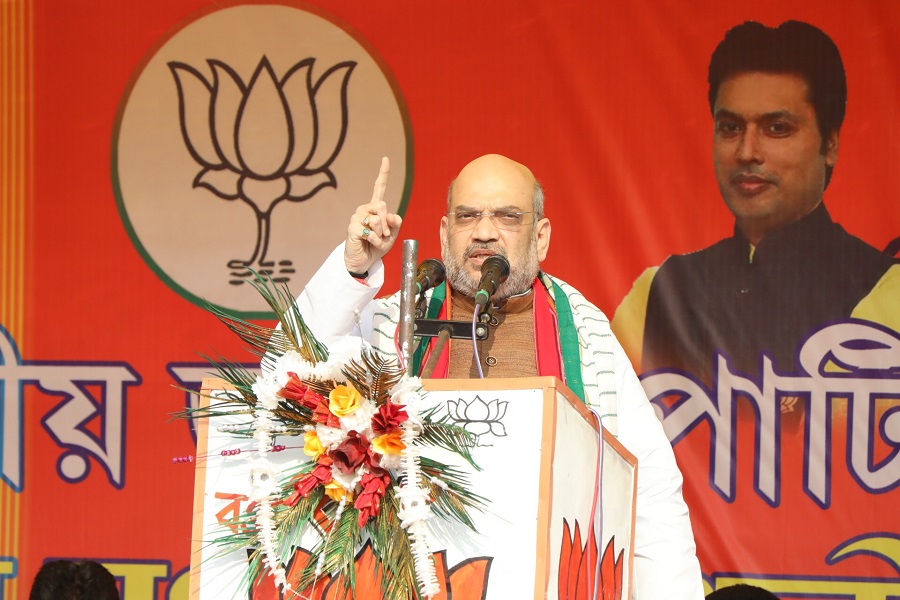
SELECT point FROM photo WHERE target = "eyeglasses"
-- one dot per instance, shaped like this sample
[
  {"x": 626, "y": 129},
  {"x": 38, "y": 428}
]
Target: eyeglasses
[{"x": 509, "y": 220}]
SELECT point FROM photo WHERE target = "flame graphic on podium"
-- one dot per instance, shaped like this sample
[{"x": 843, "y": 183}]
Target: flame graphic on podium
[
  {"x": 468, "y": 580},
  {"x": 578, "y": 564}
]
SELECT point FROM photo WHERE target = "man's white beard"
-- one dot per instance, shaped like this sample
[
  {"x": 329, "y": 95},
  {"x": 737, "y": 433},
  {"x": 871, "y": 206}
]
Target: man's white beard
[{"x": 521, "y": 276}]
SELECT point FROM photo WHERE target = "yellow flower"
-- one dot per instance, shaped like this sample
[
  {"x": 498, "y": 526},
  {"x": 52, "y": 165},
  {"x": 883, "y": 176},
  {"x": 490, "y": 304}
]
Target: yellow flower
[
  {"x": 343, "y": 401},
  {"x": 389, "y": 443},
  {"x": 336, "y": 491},
  {"x": 312, "y": 445}
]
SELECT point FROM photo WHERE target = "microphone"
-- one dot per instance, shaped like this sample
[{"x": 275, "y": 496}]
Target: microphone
[
  {"x": 430, "y": 273},
  {"x": 494, "y": 271}
]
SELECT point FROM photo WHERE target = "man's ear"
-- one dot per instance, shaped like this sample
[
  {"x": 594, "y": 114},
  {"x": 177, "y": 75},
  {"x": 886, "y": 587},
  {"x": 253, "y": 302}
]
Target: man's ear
[
  {"x": 830, "y": 147},
  {"x": 542, "y": 238},
  {"x": 443, "y": 234}
]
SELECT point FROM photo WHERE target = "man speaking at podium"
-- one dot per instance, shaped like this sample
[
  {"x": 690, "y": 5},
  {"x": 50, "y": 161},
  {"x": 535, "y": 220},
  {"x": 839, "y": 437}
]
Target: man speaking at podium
[{"x": 543, "y": 326}]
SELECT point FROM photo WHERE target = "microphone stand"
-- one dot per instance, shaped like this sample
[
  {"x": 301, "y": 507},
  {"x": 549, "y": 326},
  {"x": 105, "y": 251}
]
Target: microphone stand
[
  {"x": 413, "y": 324},
  {"x": 442, "y": 338},
  {"x": 408, "y": 303},
  {"x": 443, "y": 331},
  {"x": 462, "y": 329}
]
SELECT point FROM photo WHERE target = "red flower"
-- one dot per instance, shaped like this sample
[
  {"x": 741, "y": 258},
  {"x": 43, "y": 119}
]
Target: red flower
[
  {"x": 351, "y": 453},
  {"x": 388, "y": 418},
  {"x": 374, "y": 486},
  {"x": 322, "y": 414},
  {"x": 320, "y": 475},
  {"x": 299, "y": 392}
]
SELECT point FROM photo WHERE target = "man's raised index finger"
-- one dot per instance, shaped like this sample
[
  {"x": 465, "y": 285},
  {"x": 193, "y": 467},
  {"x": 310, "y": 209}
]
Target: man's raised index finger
[{"x": 378, "y": 194}]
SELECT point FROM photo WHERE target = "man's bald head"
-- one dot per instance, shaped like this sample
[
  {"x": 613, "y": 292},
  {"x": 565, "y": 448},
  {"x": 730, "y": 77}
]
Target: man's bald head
[{"x": 502, "y": 173}]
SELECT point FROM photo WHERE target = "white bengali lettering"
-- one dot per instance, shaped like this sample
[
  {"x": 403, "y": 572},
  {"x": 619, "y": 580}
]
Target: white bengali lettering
[
  {"x": 66, "y": 421},
  {"x": 852, "y": 360}
]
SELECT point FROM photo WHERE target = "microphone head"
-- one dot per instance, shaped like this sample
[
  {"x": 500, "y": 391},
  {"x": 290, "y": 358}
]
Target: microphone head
[
  {"x": 430, "y": 273},
  {"x": 494, "y": 271},
  {"x": 498, "y": 264}
]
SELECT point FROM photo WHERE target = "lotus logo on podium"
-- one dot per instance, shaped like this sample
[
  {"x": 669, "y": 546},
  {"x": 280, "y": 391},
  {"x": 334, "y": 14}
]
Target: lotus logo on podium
[
  {"x": 478, "y": 417},
  {"x": 239, "y": 111}
]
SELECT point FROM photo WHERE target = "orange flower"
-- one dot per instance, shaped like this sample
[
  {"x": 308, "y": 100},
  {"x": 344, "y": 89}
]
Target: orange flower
[
  {"x": 344, "y": 400},
  {"x": 336, "y": 491},
  {"x": 389, "y": 443},
  {"x": 312, "y": 445}
]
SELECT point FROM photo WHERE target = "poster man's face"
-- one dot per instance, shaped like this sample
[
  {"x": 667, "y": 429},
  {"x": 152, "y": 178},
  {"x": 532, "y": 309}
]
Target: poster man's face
[{"x": 769, "y": 158}]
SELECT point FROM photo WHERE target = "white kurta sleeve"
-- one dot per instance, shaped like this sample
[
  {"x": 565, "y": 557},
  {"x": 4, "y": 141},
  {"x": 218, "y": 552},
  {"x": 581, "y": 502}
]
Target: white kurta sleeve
[
  {"x": 665, "y": 556},
  {"x": 333, "y": 302}
]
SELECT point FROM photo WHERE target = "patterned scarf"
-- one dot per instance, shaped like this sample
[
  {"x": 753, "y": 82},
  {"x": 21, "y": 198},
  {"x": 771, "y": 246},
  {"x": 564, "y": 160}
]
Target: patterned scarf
[{"x": 556, "y": 339}]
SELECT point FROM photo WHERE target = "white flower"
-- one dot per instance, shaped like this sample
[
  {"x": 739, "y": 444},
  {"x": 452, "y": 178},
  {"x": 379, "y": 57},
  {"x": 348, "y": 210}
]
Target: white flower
[
  {"x": 324, "y": 371},
  {"x": 292, "y": 362},
  {"x": 414, "y": 511},
  {"x": 407, "y": 393},
  {"x": 410, "y": 402},
  {"x": 262, "y": 426},
  {"x": 391, "y": 462},
  {"x": 262, "y": 435},
  {"x": 347, "y": 481},
  {"x": 344, "y": 350},
  {"x": 330, "y": 437},
  {"x": 405, "y": 386},
  {"x": 266, "y": 392},
  {"x": 361, "y": 419}
]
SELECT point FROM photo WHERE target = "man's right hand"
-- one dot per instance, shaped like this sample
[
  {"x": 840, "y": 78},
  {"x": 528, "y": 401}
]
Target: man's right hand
[{"x": 372, "y": 230}]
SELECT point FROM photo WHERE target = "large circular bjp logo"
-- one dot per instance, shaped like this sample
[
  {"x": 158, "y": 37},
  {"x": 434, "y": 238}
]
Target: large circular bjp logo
[{"x": 244, "y": 142}]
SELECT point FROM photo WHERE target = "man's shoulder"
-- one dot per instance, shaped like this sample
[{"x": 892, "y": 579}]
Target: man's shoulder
[
  {"x": 559, "y": 282},
  {"x": 859, "y": 249},
  {"x": 575, "y": 298},
  {"x": 728, "y": 244},
  {"x": 721, "y": 256},
  {"x": 552, "y": 282}
]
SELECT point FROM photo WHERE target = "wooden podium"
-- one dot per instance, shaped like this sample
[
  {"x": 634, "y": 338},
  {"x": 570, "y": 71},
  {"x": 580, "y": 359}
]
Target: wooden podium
[{"x": 543, "y": 530}]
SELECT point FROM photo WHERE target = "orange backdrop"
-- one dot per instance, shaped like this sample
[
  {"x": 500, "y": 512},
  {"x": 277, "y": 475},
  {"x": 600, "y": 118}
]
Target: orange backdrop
[{"x": 605, "y": 101}]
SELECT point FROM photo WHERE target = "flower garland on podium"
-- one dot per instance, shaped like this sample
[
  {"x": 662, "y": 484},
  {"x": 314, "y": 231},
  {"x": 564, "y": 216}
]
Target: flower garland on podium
[{"x": 363, "y": 475}]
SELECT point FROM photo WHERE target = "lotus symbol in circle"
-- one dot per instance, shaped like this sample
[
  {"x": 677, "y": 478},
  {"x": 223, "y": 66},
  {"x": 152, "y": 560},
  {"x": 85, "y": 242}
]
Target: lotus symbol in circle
[{"x": 263, "y": 141}]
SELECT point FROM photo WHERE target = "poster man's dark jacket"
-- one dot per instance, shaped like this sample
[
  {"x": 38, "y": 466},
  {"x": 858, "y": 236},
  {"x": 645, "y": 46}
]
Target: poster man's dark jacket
[{"x": 720, "y": 300}]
